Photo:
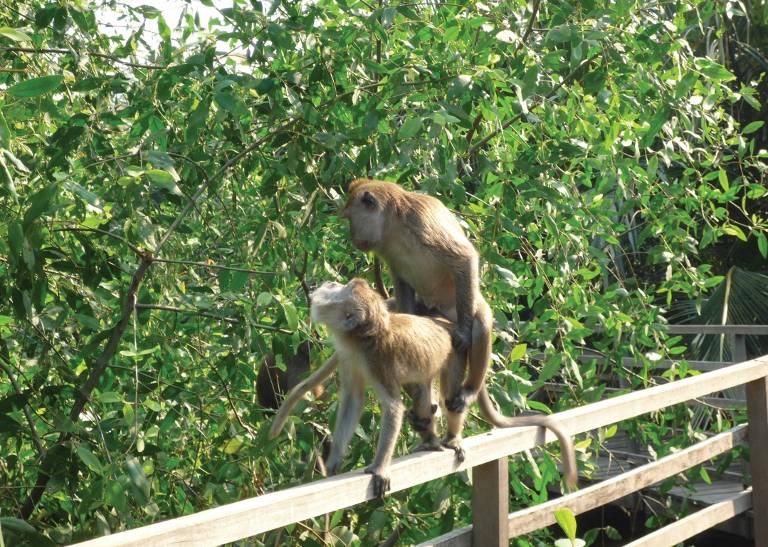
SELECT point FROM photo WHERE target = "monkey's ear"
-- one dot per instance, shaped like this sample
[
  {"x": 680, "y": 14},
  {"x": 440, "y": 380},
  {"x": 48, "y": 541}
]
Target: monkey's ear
[{"x": 368, "y": 200}]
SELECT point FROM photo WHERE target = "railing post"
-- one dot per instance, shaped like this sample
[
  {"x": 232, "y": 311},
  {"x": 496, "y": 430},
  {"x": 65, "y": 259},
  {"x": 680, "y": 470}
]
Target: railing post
[
  {"x": 490, "y": 504},
  {"x": 738, "y": 348},
  {"x": 757, "y": 413}
]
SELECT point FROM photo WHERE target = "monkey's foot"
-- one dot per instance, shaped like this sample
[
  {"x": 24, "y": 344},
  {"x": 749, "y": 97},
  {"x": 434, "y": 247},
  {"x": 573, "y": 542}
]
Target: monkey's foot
[
  {"x": 332, "y": 468},
  {"x": 432, "y": 445},
  {"x": 461, "y": 339},
  {"x": 381, "y": 481},
  {"x": 455, "y": 445}
]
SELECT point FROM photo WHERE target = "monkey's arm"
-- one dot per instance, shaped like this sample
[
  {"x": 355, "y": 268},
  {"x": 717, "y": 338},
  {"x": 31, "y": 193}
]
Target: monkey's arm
[
  {"x": 298, "y": 392},
  {"x": 351, "y": 395}
]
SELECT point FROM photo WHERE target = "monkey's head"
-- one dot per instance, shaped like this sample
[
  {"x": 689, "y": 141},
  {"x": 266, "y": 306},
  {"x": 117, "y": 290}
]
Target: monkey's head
[
  {"x": 368, "y": 209},
  {"x": 351, "y": 308}
]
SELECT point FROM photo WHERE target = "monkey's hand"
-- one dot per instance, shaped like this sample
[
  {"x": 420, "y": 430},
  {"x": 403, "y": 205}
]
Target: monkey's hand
[
  {"x": 380, "y": 480},
  {"x": 461, "y": 337},
  {"x": 332, "y": 468}
]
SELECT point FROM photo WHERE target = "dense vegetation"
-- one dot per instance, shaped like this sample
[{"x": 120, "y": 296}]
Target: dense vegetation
[{"x": 169, "y": 193}]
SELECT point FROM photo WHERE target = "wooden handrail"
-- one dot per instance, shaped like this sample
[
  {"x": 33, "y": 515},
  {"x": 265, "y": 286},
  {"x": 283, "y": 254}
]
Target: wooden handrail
[{"x": 253, "y": 516}]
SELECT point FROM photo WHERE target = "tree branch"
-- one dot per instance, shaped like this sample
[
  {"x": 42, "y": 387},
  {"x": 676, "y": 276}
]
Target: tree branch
[{"x": 98, "y": 368}]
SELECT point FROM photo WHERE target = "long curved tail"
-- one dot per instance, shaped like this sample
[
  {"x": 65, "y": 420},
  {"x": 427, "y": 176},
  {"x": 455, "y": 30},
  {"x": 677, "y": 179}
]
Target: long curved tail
[
  {"x": 298, "y": 392},
  {"x": 566, "y": 445}
]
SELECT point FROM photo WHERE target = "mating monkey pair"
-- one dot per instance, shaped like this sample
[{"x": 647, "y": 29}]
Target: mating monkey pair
[{"x": 384, "y": 344}]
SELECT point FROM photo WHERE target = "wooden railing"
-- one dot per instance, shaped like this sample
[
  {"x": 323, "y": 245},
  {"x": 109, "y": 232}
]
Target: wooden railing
[{"x": 487, "y": 458}]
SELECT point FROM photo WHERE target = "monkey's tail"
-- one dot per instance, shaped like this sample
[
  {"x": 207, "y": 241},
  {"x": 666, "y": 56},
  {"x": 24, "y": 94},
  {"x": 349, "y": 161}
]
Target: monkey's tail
[
  {"x": 298, "y": 392},
  {"x": 566, "y": 445}
]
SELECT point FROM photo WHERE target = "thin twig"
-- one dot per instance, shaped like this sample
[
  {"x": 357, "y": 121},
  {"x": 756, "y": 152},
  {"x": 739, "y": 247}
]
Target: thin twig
[
  {"x": 71, "y": 51},
  {"x": 120, "y": 238},
  {"x": 214, "y": 266},
  {"x": 529, "y": 27},
  {"x": 230, "y": 320},
  {"x": 245, "y": 426},
  {"x": 25, "y": 408}
]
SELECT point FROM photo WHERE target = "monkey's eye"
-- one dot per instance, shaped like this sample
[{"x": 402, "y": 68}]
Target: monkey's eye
[
  {"x": 348, "y": 316},
  {"x": 368, "y": 200}
]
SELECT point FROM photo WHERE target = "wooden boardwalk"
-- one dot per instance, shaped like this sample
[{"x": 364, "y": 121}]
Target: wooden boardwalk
[{"x": 621, "y": 454}]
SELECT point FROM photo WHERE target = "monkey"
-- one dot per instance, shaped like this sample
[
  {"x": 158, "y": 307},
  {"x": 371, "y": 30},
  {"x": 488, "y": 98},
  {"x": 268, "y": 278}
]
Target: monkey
[
  {"x": 272, "y": 382},
  {"x": 429, "y": 256},
  {"x": 390, "y": 351}
]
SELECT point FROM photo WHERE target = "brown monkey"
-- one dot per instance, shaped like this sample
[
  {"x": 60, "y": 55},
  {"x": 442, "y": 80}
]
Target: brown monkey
[
  {"x": 272, "y": 382},
  {"x": 393, "y": 350},
  {"x": 428, "y": 254}
]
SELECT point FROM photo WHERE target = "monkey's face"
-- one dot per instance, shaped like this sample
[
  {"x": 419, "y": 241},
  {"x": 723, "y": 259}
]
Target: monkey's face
[
  {"x": 339, "y": 306},
  {"x": 367, "y": 220}
]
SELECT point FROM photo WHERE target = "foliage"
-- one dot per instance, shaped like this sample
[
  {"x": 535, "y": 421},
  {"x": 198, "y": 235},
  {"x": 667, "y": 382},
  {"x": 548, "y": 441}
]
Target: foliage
[{"x": 591, "y": 150}]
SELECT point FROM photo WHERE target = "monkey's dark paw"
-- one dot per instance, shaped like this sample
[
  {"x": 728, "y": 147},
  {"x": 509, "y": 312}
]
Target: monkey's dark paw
[
  {"x": 455, "y": 445},
  {"x": 457, "y": 403},
  {"x": 461, "y": 339},
  {"x": 381, "y": 482},
  {"x": 432, "y": 445},
  {"x": 332, "y": 468}
]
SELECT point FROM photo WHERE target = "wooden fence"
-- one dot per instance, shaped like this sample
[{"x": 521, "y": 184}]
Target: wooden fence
[{"x": 487, "y": 455}]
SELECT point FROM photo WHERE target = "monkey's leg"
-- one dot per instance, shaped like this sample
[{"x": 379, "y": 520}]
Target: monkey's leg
[
  {"x": 298, "y": 392},
  {"x": 351, "y": 395},
  {"x": 422, "y": 416},
  {"x": 450, "y": 382},
  {"x": 392, "y": 419},
  {"x": 478, "y": 357}
]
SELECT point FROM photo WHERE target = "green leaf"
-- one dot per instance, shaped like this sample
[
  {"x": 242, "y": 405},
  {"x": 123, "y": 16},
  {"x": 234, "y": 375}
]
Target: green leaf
[
  {"x": 164, "y": 180},
  {"x": 762, "y": 244},
  {"x": 723, "y": 178},
  {"x": 39, "y": 204},
  {"x": 233, "y": 445},
  {"x": 714, "y": 71},
  {"x": 567, "y": 521},
  {"x": 410, "y": 128},
  {"x": 110, "y": 397},
  {"x": 291, "y": 315},
  {"x": 518, "y": 352},
  {"x": 752, "y": 127},
  {"x": 141, "y": 487},
  {"x": 89, "y": 459},
  {"x": 14, "y": 34},
  {"x": 733, "y": 230},
  {"x": 35, "y": 86}
]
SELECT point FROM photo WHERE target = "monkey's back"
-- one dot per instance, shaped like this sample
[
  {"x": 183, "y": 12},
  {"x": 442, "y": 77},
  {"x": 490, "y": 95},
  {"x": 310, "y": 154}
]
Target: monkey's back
[{"x": 421, "y": 345}]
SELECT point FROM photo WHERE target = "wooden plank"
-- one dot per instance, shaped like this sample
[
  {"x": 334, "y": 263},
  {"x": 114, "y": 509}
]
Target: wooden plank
[
  {"x": 757, "y": 412},
  {"x": 253, "y": 516},
  {"x": 490, "y": 503},
  {"x": 541, "y": 515},
  {"x": 693, "y": 524},
  {"x": 458, "y": 537},
  {"x": 754, "y": 330}
]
